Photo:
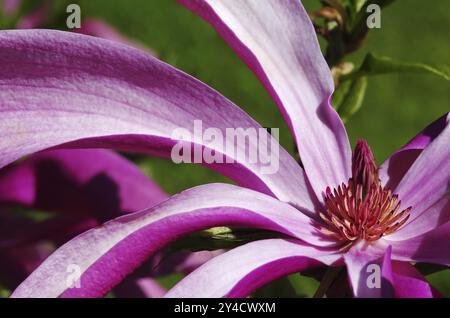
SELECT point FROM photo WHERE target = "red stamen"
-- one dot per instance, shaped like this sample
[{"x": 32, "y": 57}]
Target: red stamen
[{"x": 362, "y": 209}]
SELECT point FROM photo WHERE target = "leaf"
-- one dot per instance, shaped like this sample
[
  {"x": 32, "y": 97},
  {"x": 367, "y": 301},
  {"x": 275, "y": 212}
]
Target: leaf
[
  {"x": 428, "y": 269},
  {"x": 220, "y": 238},
  {"x": 441, "y": 281},
  {"x": 280, "y": 288},
  {"x": 349, "y": 97},
  {"x": 378, "y": 65}
]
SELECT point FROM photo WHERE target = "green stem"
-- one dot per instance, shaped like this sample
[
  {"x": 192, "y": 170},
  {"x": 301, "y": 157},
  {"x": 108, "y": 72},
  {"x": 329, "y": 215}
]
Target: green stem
[{"x": 328, "y": 279}]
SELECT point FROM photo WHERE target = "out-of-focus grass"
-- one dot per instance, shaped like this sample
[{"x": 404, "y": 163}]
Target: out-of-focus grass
[{"x": 395, "y": 109}]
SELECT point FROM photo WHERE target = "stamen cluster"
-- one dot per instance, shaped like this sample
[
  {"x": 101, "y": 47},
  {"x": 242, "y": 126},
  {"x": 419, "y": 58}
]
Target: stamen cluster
[{"x": 362, "y": 209}]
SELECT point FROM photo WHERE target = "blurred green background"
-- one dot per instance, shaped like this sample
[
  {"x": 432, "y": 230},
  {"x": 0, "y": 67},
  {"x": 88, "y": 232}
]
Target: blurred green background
[{"x": 396, "y": 107}]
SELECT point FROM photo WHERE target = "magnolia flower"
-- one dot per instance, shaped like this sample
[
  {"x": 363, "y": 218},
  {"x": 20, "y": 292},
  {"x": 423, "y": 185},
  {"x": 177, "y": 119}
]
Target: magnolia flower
[
  {"x": 83, "y": 188},
  {"x": 62, "y": 90}
]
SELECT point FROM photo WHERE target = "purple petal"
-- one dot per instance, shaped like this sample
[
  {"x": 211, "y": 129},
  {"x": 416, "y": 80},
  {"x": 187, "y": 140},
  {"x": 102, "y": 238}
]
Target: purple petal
[
  {"x": 140, "y": 285},
  {"x": 432, "y": 218},
  {"x": 398, "y": 279},
  {"x": 67, "y": 89},
  {"x": 409, "y": 283},
  {"x": 108, "y": 253},
  {"x": 278, "y": 42},
  {"x": 85, "y": 183},
  {"x": 370, "y": 273},
  {"x": 242, "y": 270},
  {"x": 427, "y": 180},
  {"x": 431, "y": 247},
  {"x": 92, "y": 182},
  {"x": 394, "y": 169}
]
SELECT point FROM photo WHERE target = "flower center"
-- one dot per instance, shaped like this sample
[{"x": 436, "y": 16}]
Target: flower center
[{"x": 362, "y": 209}]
